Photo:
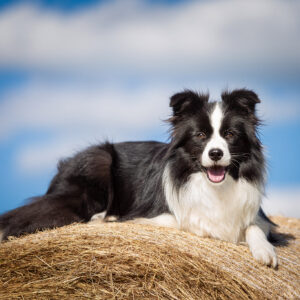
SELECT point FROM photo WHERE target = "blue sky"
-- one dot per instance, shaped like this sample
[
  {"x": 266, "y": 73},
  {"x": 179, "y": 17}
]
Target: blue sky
[{"x": 73, "y": 73}]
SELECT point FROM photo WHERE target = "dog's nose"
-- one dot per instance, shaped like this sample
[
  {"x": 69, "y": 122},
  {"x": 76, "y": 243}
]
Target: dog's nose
[{"x": 215, "y": 154}]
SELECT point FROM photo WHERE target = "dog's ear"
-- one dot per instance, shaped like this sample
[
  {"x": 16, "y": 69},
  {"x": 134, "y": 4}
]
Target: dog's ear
[
  {"x": 242, "y": 100},
  {"x": 186, "y": 101}
]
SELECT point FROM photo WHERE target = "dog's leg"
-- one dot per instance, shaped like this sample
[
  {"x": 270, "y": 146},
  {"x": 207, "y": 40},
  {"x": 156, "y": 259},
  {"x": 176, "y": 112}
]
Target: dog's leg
[
  {"x": 260, "y": 247},
  {"x": 164, "y": 220}
]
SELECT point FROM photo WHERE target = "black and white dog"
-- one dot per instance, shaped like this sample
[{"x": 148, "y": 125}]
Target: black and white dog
[{"x": 208, "y": 180}]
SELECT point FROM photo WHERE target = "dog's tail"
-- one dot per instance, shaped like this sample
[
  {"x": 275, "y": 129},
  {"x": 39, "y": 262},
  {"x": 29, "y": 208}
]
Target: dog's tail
[{"x": 43, "y": 212}]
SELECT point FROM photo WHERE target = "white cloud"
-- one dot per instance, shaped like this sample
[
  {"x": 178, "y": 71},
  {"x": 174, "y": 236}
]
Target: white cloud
[
  {"x": 39, "y": 158},
  {"x": 134, "y": 36},
  {"x": 105, "y": 111},
  {"x": 278, "y": 109},
  {"x": 283, "y": 202}
]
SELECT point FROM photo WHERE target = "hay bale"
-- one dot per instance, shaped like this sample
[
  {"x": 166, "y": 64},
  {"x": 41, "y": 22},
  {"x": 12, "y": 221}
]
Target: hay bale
[{"x": 128, "y": 261}]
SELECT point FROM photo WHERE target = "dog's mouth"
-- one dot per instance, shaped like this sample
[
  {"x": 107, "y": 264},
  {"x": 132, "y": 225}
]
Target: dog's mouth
[{"x": 216, "y": 174}]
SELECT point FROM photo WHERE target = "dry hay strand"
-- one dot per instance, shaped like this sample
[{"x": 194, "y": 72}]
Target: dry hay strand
[{"x": 129, "y": 261}]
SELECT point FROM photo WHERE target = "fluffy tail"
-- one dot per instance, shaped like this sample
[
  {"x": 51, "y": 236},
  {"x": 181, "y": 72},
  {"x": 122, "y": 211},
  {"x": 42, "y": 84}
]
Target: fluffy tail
[{"x": 43, "y": 212}]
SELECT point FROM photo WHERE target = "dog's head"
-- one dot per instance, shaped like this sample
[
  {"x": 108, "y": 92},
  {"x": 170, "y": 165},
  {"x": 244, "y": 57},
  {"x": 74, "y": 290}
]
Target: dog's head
[{"x": 217, "y": 138}]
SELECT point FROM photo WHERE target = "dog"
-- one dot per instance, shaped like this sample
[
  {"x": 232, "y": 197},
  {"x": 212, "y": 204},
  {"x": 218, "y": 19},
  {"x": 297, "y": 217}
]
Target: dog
[{"x": 209, "y": 179}]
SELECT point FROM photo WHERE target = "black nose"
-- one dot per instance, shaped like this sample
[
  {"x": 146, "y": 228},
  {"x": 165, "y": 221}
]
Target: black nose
[{"x": 215, "y": 154}]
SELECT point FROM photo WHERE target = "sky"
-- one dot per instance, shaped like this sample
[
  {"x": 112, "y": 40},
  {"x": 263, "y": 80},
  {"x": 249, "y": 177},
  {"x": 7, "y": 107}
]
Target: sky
[{"x": 75, "y": 73}]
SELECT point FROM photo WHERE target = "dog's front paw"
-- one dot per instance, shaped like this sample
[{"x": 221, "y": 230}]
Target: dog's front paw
[{"x": 265, "y": 254}]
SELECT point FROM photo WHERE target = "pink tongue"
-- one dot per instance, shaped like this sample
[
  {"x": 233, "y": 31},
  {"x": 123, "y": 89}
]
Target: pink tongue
[{"x": 216, "y": 174}]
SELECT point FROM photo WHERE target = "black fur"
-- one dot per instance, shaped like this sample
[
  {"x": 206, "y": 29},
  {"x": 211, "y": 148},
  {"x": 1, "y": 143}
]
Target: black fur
[
  {"x": 125, "y": 179},
  {"x": 245, "y": 147}
]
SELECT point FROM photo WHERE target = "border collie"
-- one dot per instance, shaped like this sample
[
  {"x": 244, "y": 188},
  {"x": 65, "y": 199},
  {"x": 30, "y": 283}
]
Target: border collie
[{"x": 208, "y": 180}]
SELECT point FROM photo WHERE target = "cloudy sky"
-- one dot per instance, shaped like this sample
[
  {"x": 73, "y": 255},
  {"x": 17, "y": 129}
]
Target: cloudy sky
[{"x": 73, "y": 73}]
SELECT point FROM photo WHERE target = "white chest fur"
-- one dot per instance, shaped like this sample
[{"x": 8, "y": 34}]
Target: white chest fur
[{"x": 221, "y": 211}]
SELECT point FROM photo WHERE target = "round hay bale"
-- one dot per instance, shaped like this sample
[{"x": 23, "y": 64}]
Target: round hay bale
[{"x": 129, "y": 261}]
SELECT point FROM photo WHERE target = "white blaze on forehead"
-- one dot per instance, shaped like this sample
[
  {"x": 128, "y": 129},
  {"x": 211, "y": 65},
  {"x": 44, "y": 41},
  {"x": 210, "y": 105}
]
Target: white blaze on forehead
[
  {"x": 216, "y": 140},
  {"x": 216, "y": 119}
]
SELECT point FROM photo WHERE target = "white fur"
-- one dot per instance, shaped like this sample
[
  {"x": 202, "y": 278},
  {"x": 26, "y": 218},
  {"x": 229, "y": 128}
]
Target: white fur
[
  {"x": 102, "y": 217},
  {"x": 227, "y": 211},
  {"x": 216, "y": 141},
  {"x": 98, "y": 217},
  {"x": 222, "y": 211},
  {"x": 164, "y": 220},
  {"x": 259, "y": 246}
]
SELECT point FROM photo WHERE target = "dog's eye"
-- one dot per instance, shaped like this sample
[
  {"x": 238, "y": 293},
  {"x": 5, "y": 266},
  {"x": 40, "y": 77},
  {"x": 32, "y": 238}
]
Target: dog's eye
[
  {"x": 201, "y": 135},
  {"x": 228, "y": 134}
]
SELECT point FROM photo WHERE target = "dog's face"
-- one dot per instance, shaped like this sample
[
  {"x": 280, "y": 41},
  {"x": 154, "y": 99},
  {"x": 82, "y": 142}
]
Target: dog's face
[{"x": 217, "y": 138}]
